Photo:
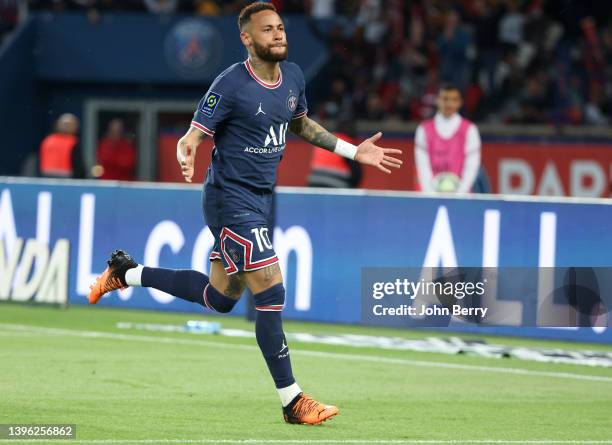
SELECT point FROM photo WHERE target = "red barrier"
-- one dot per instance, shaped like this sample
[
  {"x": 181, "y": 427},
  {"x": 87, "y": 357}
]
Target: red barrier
[
  {"x": 513, "y": 168},
  {"x": 549, "y": 169},
  {"x": 167, "y": 165}
]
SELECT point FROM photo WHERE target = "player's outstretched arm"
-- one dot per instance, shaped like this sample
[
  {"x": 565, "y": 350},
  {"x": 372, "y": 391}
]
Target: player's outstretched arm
[
  {"x": 367, "y": 153},
  {"x": 186, "y": 151}
]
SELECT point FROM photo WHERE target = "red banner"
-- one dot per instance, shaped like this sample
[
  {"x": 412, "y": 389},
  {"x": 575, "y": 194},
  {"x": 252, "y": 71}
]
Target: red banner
[{"x": 549, "y": 169}]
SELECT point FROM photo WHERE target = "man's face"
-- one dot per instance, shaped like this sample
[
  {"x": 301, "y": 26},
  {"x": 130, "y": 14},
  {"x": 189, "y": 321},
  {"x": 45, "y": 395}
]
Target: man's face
[
  {"x": 265, "y": 34},
  {"x": 115, "y": 129},
  {"x": 449, "y": 102}
]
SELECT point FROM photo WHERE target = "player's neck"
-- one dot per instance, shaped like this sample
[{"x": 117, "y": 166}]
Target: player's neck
[
  {"x": 447, "y": 117},
  {"x": 269, "y": 72}
]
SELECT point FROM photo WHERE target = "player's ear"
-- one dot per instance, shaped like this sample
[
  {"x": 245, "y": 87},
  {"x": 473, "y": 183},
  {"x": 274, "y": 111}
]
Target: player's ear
[{"x": 245, "y": 38}]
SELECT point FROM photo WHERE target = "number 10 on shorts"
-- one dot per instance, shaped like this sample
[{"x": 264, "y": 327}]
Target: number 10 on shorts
[{"x": 261, "y": 235}]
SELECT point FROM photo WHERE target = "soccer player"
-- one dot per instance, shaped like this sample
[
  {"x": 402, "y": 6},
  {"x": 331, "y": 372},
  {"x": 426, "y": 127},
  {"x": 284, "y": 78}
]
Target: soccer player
[
  {"x": 447, "y": 147},
  {"x": 248, "y": 110}
]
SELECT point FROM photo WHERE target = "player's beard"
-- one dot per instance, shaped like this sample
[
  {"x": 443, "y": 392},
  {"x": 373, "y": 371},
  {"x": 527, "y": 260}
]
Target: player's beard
[{"x": 265, "y": 53}]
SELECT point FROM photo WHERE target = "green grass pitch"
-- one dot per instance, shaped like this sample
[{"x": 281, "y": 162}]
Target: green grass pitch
[{"x": 143, "y": 387}]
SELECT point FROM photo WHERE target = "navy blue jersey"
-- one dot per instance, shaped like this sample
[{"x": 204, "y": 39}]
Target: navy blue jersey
[{"x": 248, "y": 119}]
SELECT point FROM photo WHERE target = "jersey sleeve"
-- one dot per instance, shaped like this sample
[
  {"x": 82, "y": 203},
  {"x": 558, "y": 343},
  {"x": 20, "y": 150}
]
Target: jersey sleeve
[
  {"x": 214, "y": 107},
  {"x": 302, "y": 106}
]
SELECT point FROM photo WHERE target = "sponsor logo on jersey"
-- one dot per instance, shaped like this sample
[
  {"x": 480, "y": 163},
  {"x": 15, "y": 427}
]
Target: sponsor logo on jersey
[
  {"x": 275, "y": 141},
  {"x": 274, "y": 138},
  {"x": 209, "y": 105},
  {"x": 265, "y": 150}
]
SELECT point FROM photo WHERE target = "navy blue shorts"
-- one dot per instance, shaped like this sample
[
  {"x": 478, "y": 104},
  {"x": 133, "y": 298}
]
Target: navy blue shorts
[
  {"x": 243, "y": 247},
  {"x": 241, "y": 227}
]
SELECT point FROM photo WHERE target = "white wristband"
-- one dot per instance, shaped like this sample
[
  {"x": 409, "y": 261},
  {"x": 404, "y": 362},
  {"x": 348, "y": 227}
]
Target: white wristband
[{"x": 345, "y": 149}]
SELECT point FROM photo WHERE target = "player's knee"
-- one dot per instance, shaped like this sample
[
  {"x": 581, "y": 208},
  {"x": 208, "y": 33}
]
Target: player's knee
[
  {"x": 271, "y": 299},
  {"x": 217, "y": 301}
]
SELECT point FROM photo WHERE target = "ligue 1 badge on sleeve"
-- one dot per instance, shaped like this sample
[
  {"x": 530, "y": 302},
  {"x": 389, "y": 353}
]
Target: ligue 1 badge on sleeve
[
  {"x": 210, "y": 103},
  {"x": 292, "y": 102}
]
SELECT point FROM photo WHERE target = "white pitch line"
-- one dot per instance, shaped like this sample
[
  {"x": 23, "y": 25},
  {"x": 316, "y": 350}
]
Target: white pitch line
[
  {"x": 321, "y": 354},
  {"x": 322, "y": 441}
]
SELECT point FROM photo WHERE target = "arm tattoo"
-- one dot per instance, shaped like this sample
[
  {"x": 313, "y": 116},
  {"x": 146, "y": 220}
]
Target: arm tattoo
[{"x": 314, "y": 133}]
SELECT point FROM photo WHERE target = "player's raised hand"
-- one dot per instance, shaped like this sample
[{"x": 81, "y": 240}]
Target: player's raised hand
[
  {"x": 369, "y": 153},
  {"x": 185, "y": 155}
]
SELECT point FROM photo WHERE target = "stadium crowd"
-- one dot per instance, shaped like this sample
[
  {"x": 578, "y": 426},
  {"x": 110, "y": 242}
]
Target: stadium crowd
[
  {"x": 516, "y": 62},
  {"x": 529, "y": 61}
]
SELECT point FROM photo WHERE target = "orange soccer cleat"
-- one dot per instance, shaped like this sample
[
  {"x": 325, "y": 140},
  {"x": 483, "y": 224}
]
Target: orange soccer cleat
[
  {"x": 113, "y": 277},
  {"x": 305, "y": 410}
]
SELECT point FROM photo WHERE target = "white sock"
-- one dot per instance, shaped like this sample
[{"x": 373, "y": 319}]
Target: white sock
[
  {"x": 133, "y": 276},
  {"x": 288, "y": 394}
]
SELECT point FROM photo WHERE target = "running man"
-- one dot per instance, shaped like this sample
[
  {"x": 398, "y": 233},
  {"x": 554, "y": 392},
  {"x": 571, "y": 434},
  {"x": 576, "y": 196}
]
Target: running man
[{"x": 248, "y": 110}]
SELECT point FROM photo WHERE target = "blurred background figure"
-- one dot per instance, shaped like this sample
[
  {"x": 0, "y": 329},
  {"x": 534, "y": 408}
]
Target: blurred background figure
[
  {"x": 161, "y": 6},
  {"x": 9, "y": 15},
  {"x": 322, "y": 9},
  {"x": 116, "y": 154},
  {"x": 447, "y": 147},
  {"x": 60, "y": 154},
  {"x": 206, "y": 7},
  {"x": 453, "y": 46},
  {"x": 330, "y": 170}
]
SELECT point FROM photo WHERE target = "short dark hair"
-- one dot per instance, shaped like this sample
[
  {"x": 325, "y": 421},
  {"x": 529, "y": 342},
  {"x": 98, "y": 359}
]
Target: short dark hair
[
  {"x": 253, "y": 8},
  {"x": 450, "y": 87}
]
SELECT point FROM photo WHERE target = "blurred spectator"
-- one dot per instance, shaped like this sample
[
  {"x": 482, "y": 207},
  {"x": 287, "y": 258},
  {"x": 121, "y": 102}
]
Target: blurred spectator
[
  {"x": 161, "y": 6},
  {"x": 485, "y": 20},
  {"x": 535, "y": 100},
  {"x": 85, "y": 4},
  {"x": 426, "y": 106},
  {"x": 9, "y": 13},
  {"x": 330, "y": 170},
  {"x": 289, "y": 6},
  {"x": 338, "y": 102},
  {"x": 511, "y": 26},
  {"x": 60, "y": 154},
  {"x": 370, "y": 18},
  {"x": 116, "y": 154},
  {"x": 88, "y": 6},
  {"x": 593, "y": 109},
  {"x": 322, "y": 9},
  {"x": 447, "y": 147},
  {"x": 206, "y": 7},
  {"x": 453, "y": 46}
]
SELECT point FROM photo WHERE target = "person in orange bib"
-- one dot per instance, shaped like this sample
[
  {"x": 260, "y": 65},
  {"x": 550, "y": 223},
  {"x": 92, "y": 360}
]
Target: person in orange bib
[{"x": 60, "y": 155}]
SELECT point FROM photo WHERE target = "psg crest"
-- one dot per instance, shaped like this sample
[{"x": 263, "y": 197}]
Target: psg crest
[
  {"x": 193, "y": 48},
  {"x": 292, "y": 102}
]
